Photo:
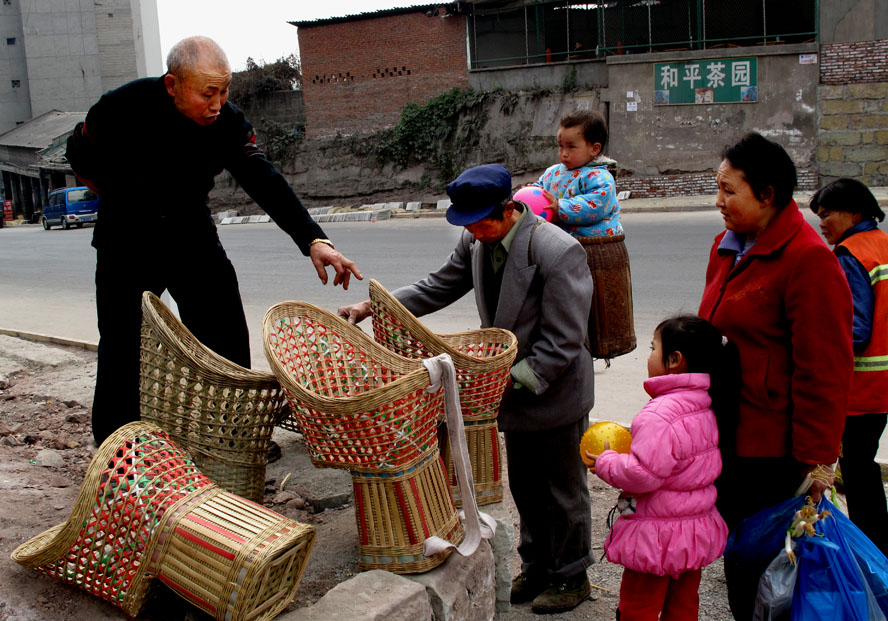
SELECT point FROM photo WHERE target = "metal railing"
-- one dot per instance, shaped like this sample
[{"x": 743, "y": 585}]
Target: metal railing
[{"x": 566, "y": 30}]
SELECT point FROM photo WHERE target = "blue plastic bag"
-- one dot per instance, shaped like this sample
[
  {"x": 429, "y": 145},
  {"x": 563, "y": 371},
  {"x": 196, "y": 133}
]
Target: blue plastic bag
[
  {"x": 872, "y": 563},
  {"x": 831, "y": 584},
  {"x": 760, "y": 537}
]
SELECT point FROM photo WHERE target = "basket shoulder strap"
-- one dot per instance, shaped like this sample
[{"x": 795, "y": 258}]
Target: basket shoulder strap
[{"x": 530, "y": 242}]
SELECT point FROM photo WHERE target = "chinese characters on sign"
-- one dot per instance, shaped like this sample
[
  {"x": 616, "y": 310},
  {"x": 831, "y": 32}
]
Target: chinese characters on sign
[{"x": 719, "y": 80}]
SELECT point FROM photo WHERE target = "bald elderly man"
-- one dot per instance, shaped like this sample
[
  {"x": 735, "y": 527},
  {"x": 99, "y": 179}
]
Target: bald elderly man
[{"x": 151, "y": 149}]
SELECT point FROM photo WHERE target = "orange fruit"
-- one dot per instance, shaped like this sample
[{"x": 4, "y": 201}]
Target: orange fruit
[{"x": 605, "y": 431}]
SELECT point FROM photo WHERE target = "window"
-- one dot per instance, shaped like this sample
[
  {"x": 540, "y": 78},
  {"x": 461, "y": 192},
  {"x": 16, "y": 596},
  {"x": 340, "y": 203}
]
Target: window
[
  {"x": 77, "y": 196},
  {"x": 10, "y": 40},
  {"x": 16, "y": 83}
]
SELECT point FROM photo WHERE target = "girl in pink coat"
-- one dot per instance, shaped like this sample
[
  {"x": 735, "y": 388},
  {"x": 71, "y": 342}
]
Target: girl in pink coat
[{"x": 668, "y": 528}]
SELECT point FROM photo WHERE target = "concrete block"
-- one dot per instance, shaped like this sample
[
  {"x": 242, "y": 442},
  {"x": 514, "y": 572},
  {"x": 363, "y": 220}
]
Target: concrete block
[
  {"x": 226, "y": 221},
  {"x": 374, "y": 595},
  {"x": 502, "y": 544},
  {"x": 367, "y": 207},
  {"x": 840, "y": 106},
  {"x": 878, "y": 90},
  {"x": 868, "y": 121},
  {"x": 414, "y": 206},
  {"x": 462, "y": 588},
  {"x": 444, "y": 203},
  {"x": 317, "y": 211},
  {"x": 829, "y": 123},
  {"x": 847, "y": 139},
  {"x": 254, "y": 219},
  {"x": 382, "y": 214},
  {"x": 264, "y": 219},
  {"x": 831, "y": 92},
  {"x": 393, "y": 206},
  {"x": 869, "y": 153},
  {"x": 239, "y": 220}
]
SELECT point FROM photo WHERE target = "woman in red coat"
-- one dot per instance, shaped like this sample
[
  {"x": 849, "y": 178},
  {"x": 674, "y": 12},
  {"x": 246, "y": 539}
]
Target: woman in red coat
[
  {"x": 777, "y": 291},
  {"x": 849, "y": 216}
]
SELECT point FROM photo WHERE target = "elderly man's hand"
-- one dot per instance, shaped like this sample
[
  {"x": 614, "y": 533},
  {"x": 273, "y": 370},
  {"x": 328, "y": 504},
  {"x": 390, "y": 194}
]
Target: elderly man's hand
[
  {"x": 323, "y": 255},
  {"x": 356, "y": 312}
]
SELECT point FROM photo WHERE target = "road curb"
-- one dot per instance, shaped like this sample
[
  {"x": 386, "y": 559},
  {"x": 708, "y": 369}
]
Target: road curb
[{"x": 36, "y": 337}]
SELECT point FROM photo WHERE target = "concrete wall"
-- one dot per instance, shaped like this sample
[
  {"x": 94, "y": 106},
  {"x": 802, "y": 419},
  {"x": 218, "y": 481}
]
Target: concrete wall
[
  {"x": 278, "y": 106},
  {"x": 687, "y": 139},
  {"x": 115, "y": 35},
  {"x": 69, "y": 52},
  {"x": 15, "y": 102},
  {"x": 146, "y": 34},
  {"x": 357, "y": 75},
  {"x": 853, "y": 20},
  {"x": 62, "y": 54},
  {"x": 543, "y": 76}
]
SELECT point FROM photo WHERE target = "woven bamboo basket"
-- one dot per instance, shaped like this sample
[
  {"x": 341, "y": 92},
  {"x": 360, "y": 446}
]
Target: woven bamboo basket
[
  {"x": 146, "y": 515},
  {"x": 220, "y": 412},
  {"x": 363, "y": 408},
  {"x": 611, "y": 320},
  {"x": 482, "y": 359}
]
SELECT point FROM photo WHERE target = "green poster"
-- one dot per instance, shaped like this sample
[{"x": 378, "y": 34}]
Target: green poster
[{"x": 719, "y": 80}]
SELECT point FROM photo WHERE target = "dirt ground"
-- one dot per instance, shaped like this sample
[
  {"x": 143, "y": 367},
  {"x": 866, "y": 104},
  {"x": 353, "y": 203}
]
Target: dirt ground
[{"x": 46, "y": 447}]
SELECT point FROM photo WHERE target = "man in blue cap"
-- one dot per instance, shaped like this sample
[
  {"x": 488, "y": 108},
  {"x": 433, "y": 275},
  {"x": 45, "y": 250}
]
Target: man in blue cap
[{"x": 532, "y": 278}]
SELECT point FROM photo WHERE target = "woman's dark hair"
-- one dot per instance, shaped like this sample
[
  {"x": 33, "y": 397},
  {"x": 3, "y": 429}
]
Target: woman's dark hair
[
  {"x": 765, "y": 164},
  {"x": 847, "y": 195},
  {"x": 706, "y": 351},
  {"x": 592, "y": 124}
]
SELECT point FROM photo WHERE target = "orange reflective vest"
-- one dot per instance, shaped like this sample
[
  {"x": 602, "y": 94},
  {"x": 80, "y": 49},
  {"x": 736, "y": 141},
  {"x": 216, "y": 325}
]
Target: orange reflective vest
[{"x": 869, "y": 385}]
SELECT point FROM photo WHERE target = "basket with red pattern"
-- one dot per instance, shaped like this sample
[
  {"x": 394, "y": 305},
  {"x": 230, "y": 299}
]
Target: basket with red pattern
[
  {"x": 145, "y": 513},
  {"x": 365, "y": 409},
  {"x": 482, "y": 359}
]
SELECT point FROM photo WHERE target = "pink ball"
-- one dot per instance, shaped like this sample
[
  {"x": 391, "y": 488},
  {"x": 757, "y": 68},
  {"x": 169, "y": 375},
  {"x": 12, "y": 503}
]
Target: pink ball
[{"x": 534, "y": 198}]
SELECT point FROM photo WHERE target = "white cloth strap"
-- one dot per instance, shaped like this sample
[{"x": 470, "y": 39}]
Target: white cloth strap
[{"x": 442, "y": 374}]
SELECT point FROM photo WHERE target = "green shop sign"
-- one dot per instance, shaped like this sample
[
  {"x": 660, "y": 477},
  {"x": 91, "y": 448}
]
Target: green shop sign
[{"x": 720, "y": 80}]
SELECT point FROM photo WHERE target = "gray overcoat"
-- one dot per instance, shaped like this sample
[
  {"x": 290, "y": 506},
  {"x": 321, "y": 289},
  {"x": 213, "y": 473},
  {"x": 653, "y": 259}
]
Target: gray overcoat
[{"x": 544, "y": 300}]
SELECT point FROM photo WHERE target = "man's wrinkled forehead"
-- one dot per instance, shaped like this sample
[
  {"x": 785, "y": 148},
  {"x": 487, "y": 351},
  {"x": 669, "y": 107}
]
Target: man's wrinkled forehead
[{"x": 208, "y": 75}]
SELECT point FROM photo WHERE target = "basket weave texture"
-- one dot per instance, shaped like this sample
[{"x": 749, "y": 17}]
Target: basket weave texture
[
  {"x": 611, "y": 320},
  {"x": 145, "y": 513},
  {"x": 363, "y": 408},
  {"x": 482, "y": 359},
  {"x": 220, "y": 412}
]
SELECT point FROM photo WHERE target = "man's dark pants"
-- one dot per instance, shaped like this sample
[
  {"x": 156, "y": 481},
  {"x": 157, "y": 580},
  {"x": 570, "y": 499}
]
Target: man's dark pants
[
  {"x": 549, "y": 484},
  {"x": 203, "y": 283}
]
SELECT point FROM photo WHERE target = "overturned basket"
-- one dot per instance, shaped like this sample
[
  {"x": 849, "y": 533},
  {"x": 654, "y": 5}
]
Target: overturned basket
[
  {"x": 145, "y": 513},
  {"x": 364, "y": 409},
  {"x": 220, "y": 412},
  {"x": 482, "y": 359}
]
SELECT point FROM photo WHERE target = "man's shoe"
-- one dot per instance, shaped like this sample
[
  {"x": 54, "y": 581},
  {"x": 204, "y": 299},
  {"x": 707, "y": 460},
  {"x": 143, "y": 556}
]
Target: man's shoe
[
  {"x": 525, "y": 588},
  {"x": 562, "y": 596}
]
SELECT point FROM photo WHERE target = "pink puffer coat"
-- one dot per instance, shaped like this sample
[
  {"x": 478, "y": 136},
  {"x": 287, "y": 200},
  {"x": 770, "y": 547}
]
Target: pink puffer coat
[{"x": 670, "y": 472}]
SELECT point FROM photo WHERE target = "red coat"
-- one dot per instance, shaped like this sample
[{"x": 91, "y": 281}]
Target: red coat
[{"x": 787, "y": 306}]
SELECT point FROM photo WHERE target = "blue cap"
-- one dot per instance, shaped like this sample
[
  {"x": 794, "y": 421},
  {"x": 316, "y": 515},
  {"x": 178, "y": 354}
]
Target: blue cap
[{"x": 477, "y": 192}]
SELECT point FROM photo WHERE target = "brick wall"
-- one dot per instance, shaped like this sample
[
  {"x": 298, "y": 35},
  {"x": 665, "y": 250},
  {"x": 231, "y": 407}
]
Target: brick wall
[
  {"x": 853, "y": 104},
  {"x": 854, "y": 63},
  {"x": 664, "y": 186},
  {"x": 357, "y": 75}
]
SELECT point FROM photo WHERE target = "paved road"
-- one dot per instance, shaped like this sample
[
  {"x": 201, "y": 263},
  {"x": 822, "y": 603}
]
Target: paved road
[{"x": 46, "y": 281}]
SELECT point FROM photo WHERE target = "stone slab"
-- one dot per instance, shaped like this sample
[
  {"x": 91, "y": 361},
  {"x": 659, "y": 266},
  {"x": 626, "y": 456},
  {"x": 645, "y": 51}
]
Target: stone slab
[
  {"x": 374, "y": 595},
  {"x": 414, "y": 206},
  {"x": 462, "y": 587},
  {"x": 444, "y": 203}
]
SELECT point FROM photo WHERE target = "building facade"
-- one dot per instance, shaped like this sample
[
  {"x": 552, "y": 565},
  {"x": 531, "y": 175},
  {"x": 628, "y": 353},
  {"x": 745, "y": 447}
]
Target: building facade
[
  {"x": 677, "y": 79},
  {"x": 359, "y": 71},
  {"x": 63, "y": 54}
]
